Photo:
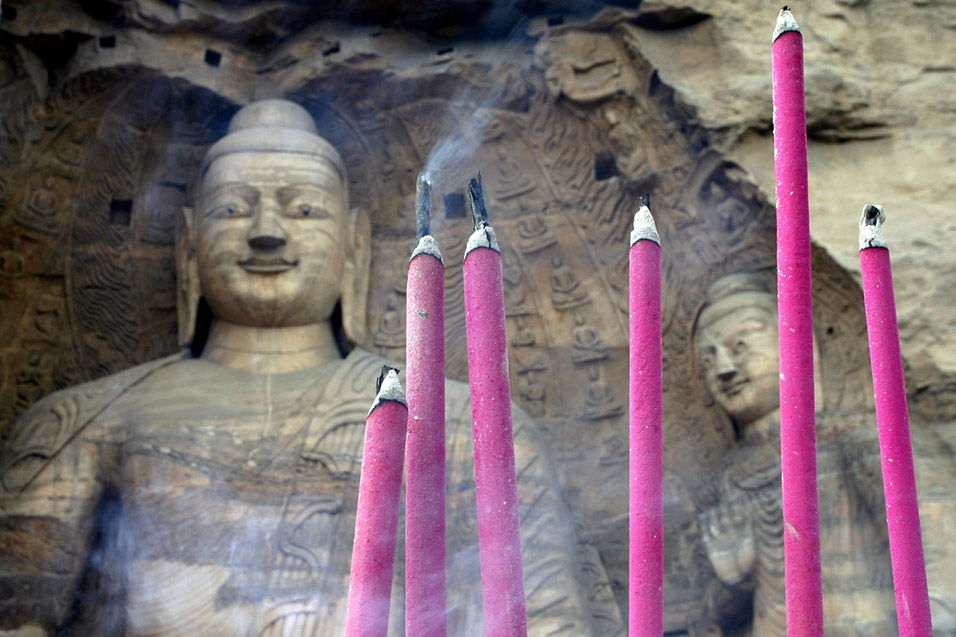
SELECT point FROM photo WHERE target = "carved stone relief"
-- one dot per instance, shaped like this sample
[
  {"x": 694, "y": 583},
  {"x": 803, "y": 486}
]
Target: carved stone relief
[{"x": 567, "y": 134}]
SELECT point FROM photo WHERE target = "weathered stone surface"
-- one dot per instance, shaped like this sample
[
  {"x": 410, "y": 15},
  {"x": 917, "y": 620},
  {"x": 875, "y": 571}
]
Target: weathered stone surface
[
  {"x": 880, "y": 118},
  {"x": 109, "y": 107}
]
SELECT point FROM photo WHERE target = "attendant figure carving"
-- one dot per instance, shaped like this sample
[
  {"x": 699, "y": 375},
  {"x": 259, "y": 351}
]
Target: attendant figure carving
[{"x": 741, "y": 521}]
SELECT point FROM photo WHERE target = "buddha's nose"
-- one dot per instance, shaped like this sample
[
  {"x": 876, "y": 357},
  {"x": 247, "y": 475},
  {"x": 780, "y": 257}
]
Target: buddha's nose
[
  {"x": 724, "y": 365},
  {"x": 266, "y": 232}
]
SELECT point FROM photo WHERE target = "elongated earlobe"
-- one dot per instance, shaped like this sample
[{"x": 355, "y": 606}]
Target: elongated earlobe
[
  {"x": 187, "y": 278},
  {"x": 355, "y": 280}
]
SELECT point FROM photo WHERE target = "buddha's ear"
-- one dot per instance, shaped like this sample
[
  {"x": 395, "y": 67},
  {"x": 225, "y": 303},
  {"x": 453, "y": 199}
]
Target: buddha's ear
[
  {"x": 356, "y": 276},
  {"x": 187, "y": 277}
]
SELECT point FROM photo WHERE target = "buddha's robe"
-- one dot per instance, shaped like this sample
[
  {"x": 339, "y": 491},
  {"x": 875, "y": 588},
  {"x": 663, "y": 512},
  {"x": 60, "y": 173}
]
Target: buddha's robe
[
  {"x": 748, "y": 508},
  {"x": 185, "y": 498}
]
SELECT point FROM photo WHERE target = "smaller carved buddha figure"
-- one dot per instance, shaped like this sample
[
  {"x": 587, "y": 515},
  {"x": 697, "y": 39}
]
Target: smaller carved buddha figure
[
  {"x": 524, "y": 333},
  {"x": 588, "y": 346},
  {"x": 566, "y": 290},
  {"x": 532, "y": 392},
  {"x": 515, "y": 290},
  {"x": 43, "y": 200},
  {"x": 512, "y": 181},
  {"x": 534, "y": 234},
  {"x": 391, "y": 328},
  {"x": 600, "y": 402},
  {"x": 12, "y": 263},
  {"x": 731, "y": 211}
]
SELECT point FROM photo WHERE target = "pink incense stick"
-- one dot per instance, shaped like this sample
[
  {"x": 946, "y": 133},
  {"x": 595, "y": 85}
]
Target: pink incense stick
[
  {"x": 801, "y": 519},
  {"x": 425, "y": 585},
  {"x": 892, "y": 417},
  {"x": 646, "y": 567},
  {"x": 376, "y": 521},
  {"x": 499, "y": 541}
]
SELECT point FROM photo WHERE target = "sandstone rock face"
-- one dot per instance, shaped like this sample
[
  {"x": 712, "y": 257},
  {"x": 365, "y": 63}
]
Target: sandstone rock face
[
  {"x": 881, "y": 127},
  {"x": 570, "y": 113}
]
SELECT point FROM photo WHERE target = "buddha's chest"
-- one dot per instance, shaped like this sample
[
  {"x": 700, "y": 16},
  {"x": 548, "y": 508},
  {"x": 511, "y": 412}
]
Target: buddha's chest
[{"x": 259, "y": 517}]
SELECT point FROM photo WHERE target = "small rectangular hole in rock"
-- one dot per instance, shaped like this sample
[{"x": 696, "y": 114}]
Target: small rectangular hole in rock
[
  {"x": 454, "y": 205},
  {"x": 555, "y": 20},
  {"x": 333, "y": 48},
  {"x": 120, "y": 212},
  {"x": 107, "y": 41},
  {"x": 9, "y": 13},
  {"x": 213, "y": 58},
  {"x": 604, "y": 166},
  {"x": 446, "y": 50}
]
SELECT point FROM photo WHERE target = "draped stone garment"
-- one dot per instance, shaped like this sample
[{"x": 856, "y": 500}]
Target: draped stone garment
[{"x": 181, "y": 497}]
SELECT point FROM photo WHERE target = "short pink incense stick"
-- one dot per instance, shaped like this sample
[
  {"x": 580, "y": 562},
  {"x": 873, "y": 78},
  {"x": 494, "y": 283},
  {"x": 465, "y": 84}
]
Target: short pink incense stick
[
  {"x": 376, "y": 521},
  {"x": 646, "y": 567},
  {"x": 801, "y": 518},
  {"x": 425, "y": 586},
  {"x": 892, "y": 417},
  {"x": 499, "y": 541}
]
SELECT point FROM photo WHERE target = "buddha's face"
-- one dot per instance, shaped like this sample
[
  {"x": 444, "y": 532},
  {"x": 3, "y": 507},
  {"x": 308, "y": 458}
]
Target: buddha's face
[
  {"x": 738, "y": 353},
  {"x": 270, "y": 238}
]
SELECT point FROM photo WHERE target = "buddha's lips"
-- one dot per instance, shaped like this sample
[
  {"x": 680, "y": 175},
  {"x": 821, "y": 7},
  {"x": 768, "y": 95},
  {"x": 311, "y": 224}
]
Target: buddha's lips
[
  {"x": 267, "y": 264},
  {"x": 735, "y": 388}
]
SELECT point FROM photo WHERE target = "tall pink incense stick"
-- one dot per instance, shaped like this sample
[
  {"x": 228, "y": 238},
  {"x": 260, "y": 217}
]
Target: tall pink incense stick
[
  {"x": 376, "y": 521},
  {"x": 499, "y": 541},
  {"x": 425, "y": 585},
  {"x": 646, "y": 567},
  {"x": 801, "y": 518},
  {"x": 892, "y": 417}
]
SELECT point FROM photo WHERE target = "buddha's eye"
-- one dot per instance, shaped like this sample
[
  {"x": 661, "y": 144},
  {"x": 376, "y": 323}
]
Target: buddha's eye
[
  {"x": 225, "y": 210},
  {"x": 302, "y": 210},
  {"x": 740, "y": 346},
  {"x": 707, "y": 361}
]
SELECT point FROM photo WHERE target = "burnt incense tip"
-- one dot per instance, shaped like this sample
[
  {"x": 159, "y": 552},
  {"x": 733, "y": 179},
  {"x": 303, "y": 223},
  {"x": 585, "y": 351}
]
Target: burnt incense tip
[
  {"x": 871, "y": 227},
  {"x": 644, "y": 227},
  {"x": 423, "y": 207},
  {"x": 476, "y": 197},
  {"x": 388, "y": 388},
  {"x": 383, "y": 375},
  {"x": 785, "y": 22}
]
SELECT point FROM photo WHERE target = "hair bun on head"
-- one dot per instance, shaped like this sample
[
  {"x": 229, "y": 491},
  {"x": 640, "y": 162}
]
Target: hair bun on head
[
  {"x": 278, "y": 126},
  {"x": 273, "y": 113}
]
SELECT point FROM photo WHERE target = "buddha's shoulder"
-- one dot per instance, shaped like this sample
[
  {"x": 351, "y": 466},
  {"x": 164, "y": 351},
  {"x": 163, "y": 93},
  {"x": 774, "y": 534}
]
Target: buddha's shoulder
[{"x": 58, "y": 418}]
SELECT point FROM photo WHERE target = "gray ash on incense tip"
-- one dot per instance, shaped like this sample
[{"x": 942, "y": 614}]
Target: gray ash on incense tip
[
  {"x": 871, "y": 227},
  {"x": 785, "y": 22},
  {"x": 423, "y": 207},
  {"x": 427, "y": 245},
  {"x": 644, "y": 226},
  {"x": 476, "y": 197},
  {"x": 388, "y": 388}
]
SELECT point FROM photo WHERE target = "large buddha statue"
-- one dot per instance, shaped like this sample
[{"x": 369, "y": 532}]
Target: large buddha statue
[
  {"x": 741, "y": 522},
  {"x": 215, "y": 494}
]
